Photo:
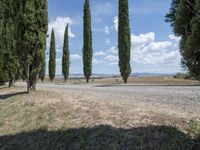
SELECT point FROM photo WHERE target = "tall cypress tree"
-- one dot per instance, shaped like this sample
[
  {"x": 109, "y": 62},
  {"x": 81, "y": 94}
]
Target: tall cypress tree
[
  {"x": 1, "y": 42},
  {"x": 43, "y": 64},
  {"x": 43, "y": 23},
  {"x": 191, "y": 51},
  {"x": 66, "y": 56},
  {"x": 52, "y": 57},
  {"x": 32, "y": 28},
  {"x": 185, "y": 22},
  {"x": 124, "y": 40},
  {"x": 87, "y": 47},
  {"x": 9, "y": 43}
]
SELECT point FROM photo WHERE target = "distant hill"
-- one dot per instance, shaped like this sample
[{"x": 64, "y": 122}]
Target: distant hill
[{"x": 99, "y": 75}]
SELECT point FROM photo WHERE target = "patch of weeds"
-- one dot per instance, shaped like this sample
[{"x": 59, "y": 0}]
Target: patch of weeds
[{"x": 194, "y": 126}]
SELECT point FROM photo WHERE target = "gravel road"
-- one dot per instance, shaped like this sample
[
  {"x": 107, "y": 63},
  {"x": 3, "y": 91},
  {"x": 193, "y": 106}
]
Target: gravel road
[{"x": 180, "y": 101}]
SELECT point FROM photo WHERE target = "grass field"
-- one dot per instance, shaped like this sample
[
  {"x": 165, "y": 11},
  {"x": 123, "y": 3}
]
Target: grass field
[{"x": 60, "y": 119}]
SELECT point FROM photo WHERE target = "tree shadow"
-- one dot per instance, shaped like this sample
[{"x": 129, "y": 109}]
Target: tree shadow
[
  {"x": 6, "y": 96},
  {"x": 146, "y": 85},
  {"x": 101, "y": 138}
]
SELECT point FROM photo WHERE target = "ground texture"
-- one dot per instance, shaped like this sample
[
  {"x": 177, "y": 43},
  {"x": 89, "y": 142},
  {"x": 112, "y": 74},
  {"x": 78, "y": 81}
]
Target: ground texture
[{"x": 141, "y": 116}]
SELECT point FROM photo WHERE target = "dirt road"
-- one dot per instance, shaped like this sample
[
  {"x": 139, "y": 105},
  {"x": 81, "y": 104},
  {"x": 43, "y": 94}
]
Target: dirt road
[{"x": 180, "y": 101}]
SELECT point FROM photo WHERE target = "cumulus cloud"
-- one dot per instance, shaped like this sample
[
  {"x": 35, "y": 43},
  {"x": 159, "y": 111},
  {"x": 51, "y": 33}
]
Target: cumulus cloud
[
  {"x": 74, "y": 57},
  {"x": 116, "y": 23},
  {"x": 96, "y": 61},
  {"x": 100, "y": 53},
  {"x": 111, "y": 58},
  {"x": 59, "y": 25},
  {"x": 113, "y": 50},
  {"x": 142, "y": 38},
  {"x": 175, "y": 38},
  {"x": 145, "y": 50}
]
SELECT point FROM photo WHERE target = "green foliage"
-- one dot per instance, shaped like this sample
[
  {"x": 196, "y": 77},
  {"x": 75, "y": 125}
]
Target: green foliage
[
  {"x": 66, "y": 56},
  {"x": 184, "y": 18},
  {"x": 124, "y": 40},
  {"x": 1, "y": 43},
  {"x": 43, "y": 66},
  {"x": 87, "y": 36},
  {"x": 32, "y": 29},
  {"x": 171, "y": 16},
  {"x": 9, "y": 61},
  {"x": 52, "y": 57},
  {"x": 191, "y": 51}
]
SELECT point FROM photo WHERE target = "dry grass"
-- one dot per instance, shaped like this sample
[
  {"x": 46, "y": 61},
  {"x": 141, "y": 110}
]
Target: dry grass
[
  {"x": 57, "y": 119},
  {"x": 168, "y": 80}
]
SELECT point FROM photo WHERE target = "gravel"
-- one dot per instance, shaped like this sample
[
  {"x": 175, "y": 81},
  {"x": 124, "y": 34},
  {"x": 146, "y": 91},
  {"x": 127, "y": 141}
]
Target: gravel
[{"x": 182, "y": 101}]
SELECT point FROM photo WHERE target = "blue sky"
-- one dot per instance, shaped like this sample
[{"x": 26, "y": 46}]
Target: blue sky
[{"x": 154, "y": 47}]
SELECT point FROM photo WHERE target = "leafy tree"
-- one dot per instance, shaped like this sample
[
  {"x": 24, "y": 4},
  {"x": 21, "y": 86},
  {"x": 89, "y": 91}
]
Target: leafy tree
[
  {"x": 191, "y": 52},
  {"x": 87, "y": 48},
  {"x": 171, "y": 16},
  {"x": 32, "y": 29},
  {"x": 10, "y": 58},
  {"x": 43, "y": 64},
  {"x": 42, "y": 19},
  {"x": 66, "y": 56},
  {"x": 124, "y": 40},
  {"x": 52, "y": 57},
  {"x": 184, "y": 18},
  {"x": 1, "y": 43}
]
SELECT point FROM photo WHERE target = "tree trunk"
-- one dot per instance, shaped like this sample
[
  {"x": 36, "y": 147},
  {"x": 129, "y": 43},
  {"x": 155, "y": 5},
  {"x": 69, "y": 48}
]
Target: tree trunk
[
  {"x": 28, "y": 79},
  {"x": 87, "y": 79},
  {"x": 11, "y": 82},
  {"x": 125, "y": 78}
]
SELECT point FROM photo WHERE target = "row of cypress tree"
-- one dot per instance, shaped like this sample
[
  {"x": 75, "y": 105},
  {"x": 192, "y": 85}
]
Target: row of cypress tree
[
  {"x": 65, "y": 59},
  {"x": 184, "y": 17},
  {"x": 124, "y": 45},
  {"x": 23, "y": 31}
]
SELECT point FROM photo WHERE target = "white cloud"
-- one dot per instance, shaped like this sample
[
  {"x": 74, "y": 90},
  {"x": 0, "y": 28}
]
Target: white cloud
[
  {"x": 75, "y": 57},
  {"x": 116, "y": 22},
  {"x": 175, "y": 38},
  {"x": 59, "y": 25},
  {"x": 96, "y": 61},
  {"x": 142, "y": 38},
  {"x": 113, "y": 50},
  {"x": 111, "y": 58},
  {"x": 100, "y": 53},
  {"x": 106, "y": 30},
  {"x": 145, "y": 50}
]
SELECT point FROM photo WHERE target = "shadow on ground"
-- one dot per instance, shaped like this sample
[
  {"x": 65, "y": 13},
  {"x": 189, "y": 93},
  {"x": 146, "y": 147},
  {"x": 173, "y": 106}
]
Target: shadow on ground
[
  {"x": 101, "y": 138},
  {"x": 6, "y": 96},
  {"x": 146, "y": 85}
]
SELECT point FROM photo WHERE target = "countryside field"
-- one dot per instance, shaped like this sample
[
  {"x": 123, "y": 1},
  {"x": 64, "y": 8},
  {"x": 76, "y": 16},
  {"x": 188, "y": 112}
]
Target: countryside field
[{"x": 146, "y": 113}]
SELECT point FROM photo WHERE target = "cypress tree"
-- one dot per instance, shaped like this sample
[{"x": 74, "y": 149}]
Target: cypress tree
[
  {"x": 32, "y": 30},
  {"x": 87, "y": 47},
  {"x": 185, "y": 22},
  {"x": 43, "y": 23},
  {"x": 52, "y": 57},
  {"x": 124, "y": 40},
  {"x": 66, "y": 56},
  {"x": 9, "y": 43},
  {"x": 191, "y": 50},
  {"x": 1, "y": 42},
  {"x": 43, "y": 64}
]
